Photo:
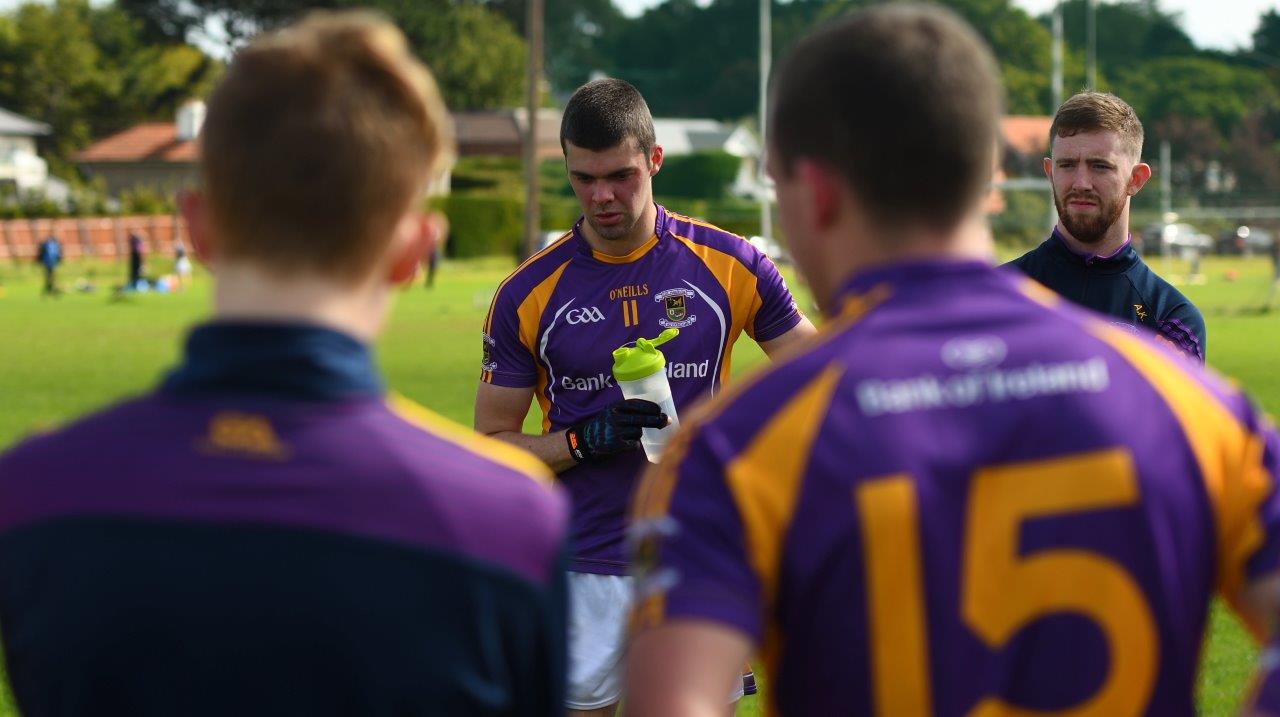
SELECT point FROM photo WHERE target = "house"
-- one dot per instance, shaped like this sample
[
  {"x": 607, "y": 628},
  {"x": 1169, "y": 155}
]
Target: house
[
  {"x": 681, "y": 136},
  {"x": 500, "y": 133},
  {"x": 21, "y": 168},
  {"x": 161, "y": 156}
]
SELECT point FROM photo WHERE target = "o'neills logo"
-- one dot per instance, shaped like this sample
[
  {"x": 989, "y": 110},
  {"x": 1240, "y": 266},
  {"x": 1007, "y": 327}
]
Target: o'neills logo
[
  {"x": 675, "y": 303},
  {"x": 632, "y": 291}
]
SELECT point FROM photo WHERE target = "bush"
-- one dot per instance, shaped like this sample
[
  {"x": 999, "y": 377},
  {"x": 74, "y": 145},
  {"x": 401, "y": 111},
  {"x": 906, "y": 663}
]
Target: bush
[
  {"x": 481, "y": 226},
  {"x": 1024, "y": 223},
  {"x": 704, "y": 175}
]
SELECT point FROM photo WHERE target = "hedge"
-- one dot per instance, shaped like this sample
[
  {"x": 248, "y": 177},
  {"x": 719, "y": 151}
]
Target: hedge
[{"x": 704, "y": 175}]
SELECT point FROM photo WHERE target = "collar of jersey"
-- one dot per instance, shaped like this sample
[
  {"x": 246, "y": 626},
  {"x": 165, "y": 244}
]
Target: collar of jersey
[
  {"x": 286, "y": 360},
  {"x": 908, "y": 273},
  {"x": 1118, "y": 260},
  {"x": 659, "y": 229}
]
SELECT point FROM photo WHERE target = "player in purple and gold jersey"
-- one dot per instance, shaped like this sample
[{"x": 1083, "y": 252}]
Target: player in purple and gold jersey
[
  {"x": 268, "y": 533},
  {"x": 965, "y": 496},
  {"x": 628, "y": 270}
]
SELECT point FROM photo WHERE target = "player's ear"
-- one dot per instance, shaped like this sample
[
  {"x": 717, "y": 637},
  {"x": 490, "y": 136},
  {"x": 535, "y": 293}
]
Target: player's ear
[
  {"x": 195, "y": 214},
  {"x": 1138, "y": 177},
  {"x": 417, "y": 235},
  {"x": 822, "y": 190},
  {"x": 655, "y": 159},
  {"x": 1048, "y": 167}
]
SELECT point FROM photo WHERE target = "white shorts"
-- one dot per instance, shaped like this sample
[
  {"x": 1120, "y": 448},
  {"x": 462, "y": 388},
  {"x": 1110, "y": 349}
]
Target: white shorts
[
  {"x": 182, "y": 267},
  {"x": 599, "y": 609}
]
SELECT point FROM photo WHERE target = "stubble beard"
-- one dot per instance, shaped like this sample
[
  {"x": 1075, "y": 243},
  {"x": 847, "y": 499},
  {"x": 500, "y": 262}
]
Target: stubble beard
[
  {"x": 1089, "y": 229},
  {"x": 617, "y": 232}
]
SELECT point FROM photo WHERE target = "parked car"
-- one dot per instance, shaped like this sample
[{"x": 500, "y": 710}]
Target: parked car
[
  {"x": 1245, "y": 240},
  {"x": 1185, "y": 236}
]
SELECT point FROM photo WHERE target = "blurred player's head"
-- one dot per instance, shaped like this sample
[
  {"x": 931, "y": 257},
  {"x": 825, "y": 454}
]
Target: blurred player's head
[
  {"x": 319, "y": 144},
  {"x": 1095, "y": 146},
  {"x": 611, "y": 155},
  {"x": 881, "y": 136}
]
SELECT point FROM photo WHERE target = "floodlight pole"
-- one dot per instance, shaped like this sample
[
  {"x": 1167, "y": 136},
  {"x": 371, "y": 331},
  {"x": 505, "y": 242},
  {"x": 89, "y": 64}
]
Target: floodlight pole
[
  {"x": 766, "y": 59},
  {"x": 1091, "y": 25},
  {"x": 533, "y": 73},
  {"x": 1057, "y": 57}
]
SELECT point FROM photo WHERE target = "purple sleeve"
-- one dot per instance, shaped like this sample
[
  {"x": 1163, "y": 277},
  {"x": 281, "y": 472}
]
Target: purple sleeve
[
  {"x": 507, "y": 359},
  {"x": 696, "y": 555},
  {"x": 778, "y": 313}
]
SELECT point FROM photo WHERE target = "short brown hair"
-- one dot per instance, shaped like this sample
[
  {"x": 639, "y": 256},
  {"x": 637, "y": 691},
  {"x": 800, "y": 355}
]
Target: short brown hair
[
  {"x": 1098, "y": 112},
  {"x": 903, "y": 101},
  {"x": 318, "y": 140},
  {"x": 604, "y": 113}
]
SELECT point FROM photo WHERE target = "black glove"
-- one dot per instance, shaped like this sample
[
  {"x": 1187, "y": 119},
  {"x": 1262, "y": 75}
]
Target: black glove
[{"x": 614, "y": 430}]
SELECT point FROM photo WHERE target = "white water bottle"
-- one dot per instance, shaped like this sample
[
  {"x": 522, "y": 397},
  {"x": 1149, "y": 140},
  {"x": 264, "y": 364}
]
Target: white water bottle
[{"x": 640, "y": 371}]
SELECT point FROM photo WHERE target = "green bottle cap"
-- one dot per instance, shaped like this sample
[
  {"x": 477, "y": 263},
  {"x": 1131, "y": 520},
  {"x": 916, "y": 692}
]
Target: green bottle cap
[{"x": 632, "y": 363}]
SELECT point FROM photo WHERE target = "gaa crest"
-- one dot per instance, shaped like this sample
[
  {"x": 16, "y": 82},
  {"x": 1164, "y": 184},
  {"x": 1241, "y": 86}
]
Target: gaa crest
[{"x": 675, "y": 304}]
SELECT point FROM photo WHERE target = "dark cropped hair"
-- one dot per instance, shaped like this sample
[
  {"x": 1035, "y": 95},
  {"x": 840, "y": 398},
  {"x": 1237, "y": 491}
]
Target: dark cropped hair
[
  {"x": 603, "y": 113},
  {"x": 903, "y": 101}
]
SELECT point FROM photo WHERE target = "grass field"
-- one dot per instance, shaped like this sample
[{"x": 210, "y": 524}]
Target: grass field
[{"x": 62, "y": 356}]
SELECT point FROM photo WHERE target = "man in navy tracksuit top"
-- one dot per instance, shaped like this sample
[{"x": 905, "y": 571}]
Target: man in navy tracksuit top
[
  {"x": 1095, "y": 167},
  {"x": 268, "y": 533}
]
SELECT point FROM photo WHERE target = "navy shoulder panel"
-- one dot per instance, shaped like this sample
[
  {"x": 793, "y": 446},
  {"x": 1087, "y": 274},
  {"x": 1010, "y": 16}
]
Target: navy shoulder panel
[{"x": 110, "y": 616}]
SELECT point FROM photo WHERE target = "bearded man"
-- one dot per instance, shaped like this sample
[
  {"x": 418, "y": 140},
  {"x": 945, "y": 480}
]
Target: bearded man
[{"x": 1096, "y": 167}]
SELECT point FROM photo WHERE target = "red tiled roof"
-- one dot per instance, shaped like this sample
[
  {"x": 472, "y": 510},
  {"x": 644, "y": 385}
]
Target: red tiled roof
[
  {"x": 1026, "y": 134},
  {"x": 150, "y": 142}
]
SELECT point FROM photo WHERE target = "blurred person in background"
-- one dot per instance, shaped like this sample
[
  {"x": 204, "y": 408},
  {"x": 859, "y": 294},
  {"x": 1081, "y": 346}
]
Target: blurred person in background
[
  {"x": 1096, "y": 167},
  {"x": 268, "y": 532},
  {"x": 965, "y": 496},
  {"x": 137, "y": 256},
  {"x": 49, "y": 256}
]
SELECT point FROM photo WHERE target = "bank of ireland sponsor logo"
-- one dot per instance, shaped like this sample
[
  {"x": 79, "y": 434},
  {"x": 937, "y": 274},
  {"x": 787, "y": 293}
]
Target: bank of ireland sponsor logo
[
  {"x": 675, "y": 305},
  {"x": 486, "y": 357},
  {"x": 584, "y": 315}
]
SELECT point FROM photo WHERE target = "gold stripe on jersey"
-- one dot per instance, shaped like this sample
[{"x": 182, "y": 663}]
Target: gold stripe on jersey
[
  {"x": 1228, "y": 453},
  {"x": 633, "y": 255},
  {"x": 492, "y": 449},
  {"x": 739, "y": 285},
  {"x": 765, "y": 478},
  {"x": 488, "y": 319},
  {"x": 530, "y": 310}
]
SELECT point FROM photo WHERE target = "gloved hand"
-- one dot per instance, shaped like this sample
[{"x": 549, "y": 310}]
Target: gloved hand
[{"x": 614, "y": 430}]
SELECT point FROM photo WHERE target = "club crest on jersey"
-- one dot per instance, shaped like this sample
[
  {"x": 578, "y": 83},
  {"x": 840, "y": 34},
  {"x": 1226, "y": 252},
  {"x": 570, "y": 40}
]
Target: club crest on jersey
[
  {"x": 486, "y": 361},
  {"x": 675, "y": 302}
]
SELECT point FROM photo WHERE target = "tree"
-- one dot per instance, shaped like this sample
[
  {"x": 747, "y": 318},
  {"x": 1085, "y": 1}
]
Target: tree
[
  {"x": 51, "y": 70},
  {"x": 1266, "y": 39},
  {"x": 475, "y": 53},
  {"x": 1193, "y": 87}
]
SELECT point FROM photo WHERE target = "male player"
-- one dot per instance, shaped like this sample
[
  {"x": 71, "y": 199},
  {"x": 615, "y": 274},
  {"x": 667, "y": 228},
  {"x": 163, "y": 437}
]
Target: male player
[
  {"x": 266, "y": 533},
  {"x": 966, "y": 496},
  {"x": 1096, "y": 167},
  {"x": 629, "y": 269}
]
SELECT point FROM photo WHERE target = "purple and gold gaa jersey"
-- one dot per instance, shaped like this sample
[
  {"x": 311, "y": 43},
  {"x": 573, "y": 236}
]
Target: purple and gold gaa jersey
[
  {"x": 556, "y": 320},
  {"x": 965, "y": 497},
  {"x": 267, "y": 533}
]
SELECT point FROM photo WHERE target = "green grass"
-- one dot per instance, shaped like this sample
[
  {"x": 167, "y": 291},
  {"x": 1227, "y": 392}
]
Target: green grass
[{"x": 63, "y": 356}]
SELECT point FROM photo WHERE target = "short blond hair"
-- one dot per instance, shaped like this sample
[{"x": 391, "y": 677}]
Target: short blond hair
[
  {"x": 1096, "y": 112},
  {"x": 319, "y": 138}
]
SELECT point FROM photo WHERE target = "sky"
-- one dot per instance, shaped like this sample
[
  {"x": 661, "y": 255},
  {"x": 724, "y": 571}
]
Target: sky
[{"x": 1220, "y": 24}]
